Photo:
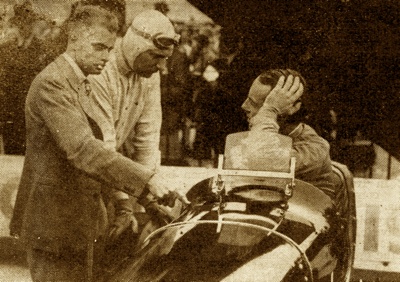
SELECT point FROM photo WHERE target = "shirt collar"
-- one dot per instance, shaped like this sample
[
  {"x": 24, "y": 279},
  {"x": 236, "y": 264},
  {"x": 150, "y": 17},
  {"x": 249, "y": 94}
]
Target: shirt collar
[{"x": 79, "y": 73}]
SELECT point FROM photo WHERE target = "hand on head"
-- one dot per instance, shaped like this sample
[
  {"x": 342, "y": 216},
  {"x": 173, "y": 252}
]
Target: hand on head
[{"x": 284, "y": 97}]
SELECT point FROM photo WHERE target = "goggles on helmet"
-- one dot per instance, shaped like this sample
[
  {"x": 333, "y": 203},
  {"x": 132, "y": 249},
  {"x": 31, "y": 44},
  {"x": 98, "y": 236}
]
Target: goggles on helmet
[{"x": 159, "y": 40}]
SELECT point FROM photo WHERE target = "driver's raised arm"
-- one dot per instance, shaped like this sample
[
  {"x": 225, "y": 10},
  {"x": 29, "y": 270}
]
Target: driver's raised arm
[{"x": 272, "y": 108}]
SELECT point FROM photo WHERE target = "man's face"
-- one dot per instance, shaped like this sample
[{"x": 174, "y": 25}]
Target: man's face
[
  {"x": 150, "y": 62},
  {"x": 257, "y": 94},
  {"x": 92, "y": 48}
]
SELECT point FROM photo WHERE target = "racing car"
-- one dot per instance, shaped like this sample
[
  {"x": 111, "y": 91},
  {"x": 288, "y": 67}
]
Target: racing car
[{"x": 253, "y": 221}]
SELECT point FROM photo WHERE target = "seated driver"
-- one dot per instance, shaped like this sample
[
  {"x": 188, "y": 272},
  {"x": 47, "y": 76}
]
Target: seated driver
[{"x": 273, "y": 104}]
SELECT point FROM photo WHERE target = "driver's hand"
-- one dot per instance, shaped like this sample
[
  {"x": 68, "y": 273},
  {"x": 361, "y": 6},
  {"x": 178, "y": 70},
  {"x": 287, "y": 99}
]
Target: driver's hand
[
  {"x": 165, "y": 195},
  {"x": 284, "y": 97},
  {"x": 163, "y": 214},
  {"x": 123, "y": 219}
]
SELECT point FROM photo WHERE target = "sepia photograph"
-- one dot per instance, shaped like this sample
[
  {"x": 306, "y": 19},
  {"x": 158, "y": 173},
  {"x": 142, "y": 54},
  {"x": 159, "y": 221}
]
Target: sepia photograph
[{"x": 199, "y": 140}]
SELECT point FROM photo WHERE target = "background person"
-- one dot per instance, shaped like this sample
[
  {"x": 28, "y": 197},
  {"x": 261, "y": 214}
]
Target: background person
[
  {"x": 32, "y": 42},
  {"x": 176, "y": 103}
]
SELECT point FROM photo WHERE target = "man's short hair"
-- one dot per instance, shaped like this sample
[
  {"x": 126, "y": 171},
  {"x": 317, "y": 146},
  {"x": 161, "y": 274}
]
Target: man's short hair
[
  {"x": 93, "y": 15},
  {"x": 118, "y": 7},
  {"x": 271, "y": 77}
]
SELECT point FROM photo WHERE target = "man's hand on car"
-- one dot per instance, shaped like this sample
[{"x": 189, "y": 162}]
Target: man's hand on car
[{"x": 158, "y": 186}]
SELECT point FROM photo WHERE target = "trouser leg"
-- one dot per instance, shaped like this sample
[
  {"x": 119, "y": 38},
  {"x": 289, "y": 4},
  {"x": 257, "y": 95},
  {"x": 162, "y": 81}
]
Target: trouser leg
[
  {"x": 65, "y": 267},
  {"x": 48, "y": 267}
]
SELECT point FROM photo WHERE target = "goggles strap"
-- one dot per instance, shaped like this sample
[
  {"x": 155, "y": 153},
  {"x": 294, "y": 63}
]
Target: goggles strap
[
  {"x": 154, "y": 38},
  {"x": 142, "y": 33}
]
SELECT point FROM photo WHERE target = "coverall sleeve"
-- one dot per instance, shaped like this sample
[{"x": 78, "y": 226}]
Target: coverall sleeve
[
  {"x": 310, "y": 150},
  {"x": 144, "y": 140}
]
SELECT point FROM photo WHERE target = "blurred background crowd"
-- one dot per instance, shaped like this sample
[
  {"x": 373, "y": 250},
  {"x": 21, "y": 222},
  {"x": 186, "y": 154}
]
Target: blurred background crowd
[{"x": 207, "y": 77}]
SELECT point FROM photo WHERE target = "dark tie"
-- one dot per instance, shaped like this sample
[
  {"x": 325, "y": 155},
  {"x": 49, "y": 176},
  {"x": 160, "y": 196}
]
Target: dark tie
[{"x": 88, "y": 88}]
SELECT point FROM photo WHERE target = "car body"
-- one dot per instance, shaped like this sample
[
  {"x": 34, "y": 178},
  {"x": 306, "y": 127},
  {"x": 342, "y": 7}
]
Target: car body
[{"x": 252, "y": 225}]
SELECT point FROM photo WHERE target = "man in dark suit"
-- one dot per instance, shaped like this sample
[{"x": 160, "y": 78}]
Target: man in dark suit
[{"x": 59, "y": 211}]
